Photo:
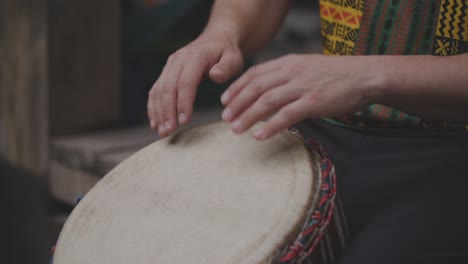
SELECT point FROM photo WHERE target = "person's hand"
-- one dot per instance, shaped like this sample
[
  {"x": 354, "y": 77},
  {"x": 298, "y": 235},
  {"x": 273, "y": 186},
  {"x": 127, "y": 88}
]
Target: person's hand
[
  {"x": 296, "y": 87},
  {"x": 170, "y": 101}
]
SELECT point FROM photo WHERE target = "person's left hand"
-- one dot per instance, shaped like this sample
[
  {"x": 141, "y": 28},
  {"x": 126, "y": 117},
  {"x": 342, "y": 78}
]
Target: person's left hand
[{"x": 296, "y": 87}]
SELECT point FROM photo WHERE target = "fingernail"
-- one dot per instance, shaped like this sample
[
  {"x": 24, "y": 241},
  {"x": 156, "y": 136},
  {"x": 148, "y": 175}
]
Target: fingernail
[
  {"x": 182, "y": 118},
  {"x": 259, "y": 134},
  {"x": 152, "y": 124},
  {"x": 225, "y": 97},
  {"x": 227, "y": 115},
  {"x": 160, "y": 129},
  {"x": 237, "y": 126},
  {"x": 167, "y": 126}
]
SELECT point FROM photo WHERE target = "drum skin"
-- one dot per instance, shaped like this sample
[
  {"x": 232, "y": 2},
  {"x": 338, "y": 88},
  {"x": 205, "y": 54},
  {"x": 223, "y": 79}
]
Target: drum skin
[{"x": 202, "y": 196}]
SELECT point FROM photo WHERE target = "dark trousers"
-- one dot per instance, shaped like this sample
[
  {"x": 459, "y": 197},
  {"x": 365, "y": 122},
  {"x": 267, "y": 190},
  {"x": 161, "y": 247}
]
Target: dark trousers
[{"x": 405, "y": 194}]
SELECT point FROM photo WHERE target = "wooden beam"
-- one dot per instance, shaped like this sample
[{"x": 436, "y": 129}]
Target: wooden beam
[
  {"x": 85, "y": 65},
  {"x": 24, "y": 83}
]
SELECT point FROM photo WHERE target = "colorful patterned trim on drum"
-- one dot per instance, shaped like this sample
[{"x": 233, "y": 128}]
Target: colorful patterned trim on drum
[
  {"x": 320, "y": 216},
  {"x": 52, "y": 251}
]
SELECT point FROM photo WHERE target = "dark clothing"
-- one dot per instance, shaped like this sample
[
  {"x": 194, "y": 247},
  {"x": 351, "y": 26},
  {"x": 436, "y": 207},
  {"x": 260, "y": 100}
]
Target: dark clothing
[{"x": 405, "y": 194}]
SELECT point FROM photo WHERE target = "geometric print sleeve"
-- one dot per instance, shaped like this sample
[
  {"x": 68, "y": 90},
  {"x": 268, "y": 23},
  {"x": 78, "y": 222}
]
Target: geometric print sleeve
[{"x": 394, "y": 27}]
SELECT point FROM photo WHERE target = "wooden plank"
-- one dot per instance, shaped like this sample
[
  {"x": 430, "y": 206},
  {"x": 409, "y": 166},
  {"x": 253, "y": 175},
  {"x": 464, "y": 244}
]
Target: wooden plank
[
  {"x": 89, "y": 151},
  {"x": 67, "y": 185},
  {"x": 82, "y": 151},
  {"x": 107, "y": 160},
  {"x": 24, "y": 83},
  {"x": 80, "y": 161},
  {"x": 85, "y": 66}
]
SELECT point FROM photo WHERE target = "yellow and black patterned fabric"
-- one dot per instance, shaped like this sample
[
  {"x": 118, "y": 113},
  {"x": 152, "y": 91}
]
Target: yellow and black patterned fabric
[{"x": 394, "y": 27}]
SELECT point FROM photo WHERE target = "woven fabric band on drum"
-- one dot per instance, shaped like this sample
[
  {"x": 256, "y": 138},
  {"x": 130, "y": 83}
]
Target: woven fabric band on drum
[{"x": 324, "y": 223}]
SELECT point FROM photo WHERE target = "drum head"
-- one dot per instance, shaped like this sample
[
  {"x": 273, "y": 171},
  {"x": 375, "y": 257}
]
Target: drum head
[{"x": 202, "y": 196}]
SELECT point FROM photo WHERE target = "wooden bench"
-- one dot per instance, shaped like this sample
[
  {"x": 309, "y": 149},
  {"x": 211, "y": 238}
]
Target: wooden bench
[{"x": 79, "y": 161}]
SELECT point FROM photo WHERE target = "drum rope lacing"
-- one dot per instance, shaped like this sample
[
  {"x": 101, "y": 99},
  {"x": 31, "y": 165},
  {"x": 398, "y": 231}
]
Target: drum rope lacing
[{"x": 318, "y": 218}]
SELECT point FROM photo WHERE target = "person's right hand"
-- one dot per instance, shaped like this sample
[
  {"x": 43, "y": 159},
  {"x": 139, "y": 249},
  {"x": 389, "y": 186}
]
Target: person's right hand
[{"x": 170, "y": 100}]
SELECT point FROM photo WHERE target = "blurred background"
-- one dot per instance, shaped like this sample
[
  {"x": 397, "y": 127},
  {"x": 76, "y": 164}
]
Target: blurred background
[{"x": 74, "y": 77}]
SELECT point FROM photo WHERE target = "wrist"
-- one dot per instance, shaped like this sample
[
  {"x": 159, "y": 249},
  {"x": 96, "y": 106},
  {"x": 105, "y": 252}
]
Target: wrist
[
  {"x": 380, "y": 78},
  {"x": 224, "y": 30}
]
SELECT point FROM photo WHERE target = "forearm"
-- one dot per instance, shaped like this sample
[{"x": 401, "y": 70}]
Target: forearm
[
  {"x": 428, "y": 86},
  {"x": 251, "y": 24}
]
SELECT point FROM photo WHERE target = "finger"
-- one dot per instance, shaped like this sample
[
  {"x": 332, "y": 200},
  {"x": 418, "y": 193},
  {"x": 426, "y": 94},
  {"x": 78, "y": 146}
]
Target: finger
[
  {"x": 150, "y": 110},
  {"x": 168, "y": 98},
  {"x": 157, "y": 96},
  {"x": 230, "y": 64},
  {"x": 190, "y": 79},
  {"x": 287, "y": 116},
  {"x": 155, "y": 105},
  {"x": 251, "y": 92},
  {"x": 264, "y": 107},
  {"x": 252, "y": 73}
]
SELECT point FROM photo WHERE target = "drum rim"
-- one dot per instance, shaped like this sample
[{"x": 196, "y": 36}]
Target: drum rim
[{"x": 308, "y": 210}]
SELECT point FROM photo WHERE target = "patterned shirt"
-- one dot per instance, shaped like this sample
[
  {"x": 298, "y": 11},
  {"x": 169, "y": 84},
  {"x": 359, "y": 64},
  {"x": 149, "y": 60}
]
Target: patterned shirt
[{"x": 394, "y": 27}]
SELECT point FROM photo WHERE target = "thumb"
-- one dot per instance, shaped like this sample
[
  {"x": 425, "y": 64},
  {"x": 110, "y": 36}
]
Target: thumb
[{"x": 230, "y": 63}]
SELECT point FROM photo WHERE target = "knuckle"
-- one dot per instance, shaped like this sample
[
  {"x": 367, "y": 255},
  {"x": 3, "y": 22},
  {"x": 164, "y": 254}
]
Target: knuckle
[
  {"x": 270, "y": 99},
  {"x": 310, "y": 98},
  {"x": 249, "y": 93},
  {"x": 257, "y": 84},
  {"x": 315, "y": 96},
  {"x": 224, "y": 66},
  {"x": 287, "y": 114},
  {"x": 184, "y": 84},
  {"x": 157, "y": 94},
  {"x": 166, "y": 92},
  {"x": 167, "y": 101}
]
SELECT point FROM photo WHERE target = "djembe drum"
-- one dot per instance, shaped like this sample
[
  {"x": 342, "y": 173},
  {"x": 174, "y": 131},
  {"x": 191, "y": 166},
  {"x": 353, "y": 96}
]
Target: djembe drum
[{"x": 206, "y": 195}]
